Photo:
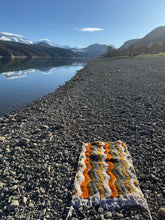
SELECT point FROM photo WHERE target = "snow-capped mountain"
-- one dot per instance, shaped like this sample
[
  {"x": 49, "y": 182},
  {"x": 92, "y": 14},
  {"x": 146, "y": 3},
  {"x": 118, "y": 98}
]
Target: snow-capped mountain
[
  {"x": 92, "y": 51},
  {"x": 18, "y": 74},
  {"x": 19, "y": 38},
  {"x": 14, "y": 37},
  {"x": 45, "y": 42},
  {"x": 48, "y": 43}
]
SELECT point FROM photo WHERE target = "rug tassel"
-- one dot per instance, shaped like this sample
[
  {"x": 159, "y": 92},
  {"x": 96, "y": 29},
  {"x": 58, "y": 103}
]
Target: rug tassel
[
  {"x": 70, "y": 212},
  {"x": 149, "y": 212}
]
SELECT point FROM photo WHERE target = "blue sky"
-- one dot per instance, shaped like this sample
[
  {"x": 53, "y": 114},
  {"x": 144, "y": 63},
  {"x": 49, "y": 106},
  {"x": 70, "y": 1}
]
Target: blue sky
[{"x": 81, "y": 22}]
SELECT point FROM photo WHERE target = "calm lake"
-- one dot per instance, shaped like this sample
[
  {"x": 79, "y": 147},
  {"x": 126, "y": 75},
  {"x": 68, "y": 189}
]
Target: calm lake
[{"x": 24, "y": 81}]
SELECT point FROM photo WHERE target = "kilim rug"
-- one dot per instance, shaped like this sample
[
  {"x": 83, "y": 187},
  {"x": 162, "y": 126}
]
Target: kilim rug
[{"x": 106, "y": 178}]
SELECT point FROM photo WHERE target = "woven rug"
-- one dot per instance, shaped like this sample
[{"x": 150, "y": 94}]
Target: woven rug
[{"x": 106, "y": 178}]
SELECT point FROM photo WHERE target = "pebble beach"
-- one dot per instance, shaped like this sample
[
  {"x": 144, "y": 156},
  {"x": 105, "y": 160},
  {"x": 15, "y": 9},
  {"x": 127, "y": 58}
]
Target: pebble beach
[{"x": 108, "y": 100}]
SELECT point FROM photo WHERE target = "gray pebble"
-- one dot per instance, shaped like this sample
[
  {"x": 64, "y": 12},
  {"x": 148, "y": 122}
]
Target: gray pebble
[
  {"x": 80, "y": 209},
  {"x": 137, "y": 217},
  {"x": 2, "y": 138},
  {"x": 44, "y": 127},
  {"x": 119, "y": 215},
  {"x": 24, "y": 200},
  {"x": 102, "y": 217},
  {"x": 162, "y": 211},
  {"x": 14, "y": 204},
  {"x": 108, "y": 215},
  {"x": 100, "y": 210},
  {"x": 31, "y": 205},
  {"x": 154, "y": 177},
  {"x": 1, "y": 185},
  {"x": 13, "y": 188},
  {"x": 25, "y": 141},
  {"x": 43, "y": 141}
]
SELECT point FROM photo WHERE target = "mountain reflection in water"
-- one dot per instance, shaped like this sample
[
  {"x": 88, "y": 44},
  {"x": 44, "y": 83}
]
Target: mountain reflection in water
[
  {"x": 18, "y": 74},
  {"x": 23, "y": 81}
]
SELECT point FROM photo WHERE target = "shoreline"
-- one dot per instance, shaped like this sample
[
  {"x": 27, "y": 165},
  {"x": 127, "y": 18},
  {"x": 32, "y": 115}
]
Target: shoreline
[
  {"x": 107, "y": 100},
  {"x": 14, "y": 97}
]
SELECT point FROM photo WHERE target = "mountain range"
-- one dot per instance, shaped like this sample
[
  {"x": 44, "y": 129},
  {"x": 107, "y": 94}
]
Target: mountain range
[
  {"x": 9, "y": 49},
  {"x": 152, "y": 43},
  {"x": 14, "y": 45},
  {"x": 14, "y": 38},
  {"x": 92, "y": 51},
  {"x": 20, "y": 39}
]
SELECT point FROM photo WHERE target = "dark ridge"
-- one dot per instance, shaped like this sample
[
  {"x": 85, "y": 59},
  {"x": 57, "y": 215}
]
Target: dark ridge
[{"x": 10, "y": 49}]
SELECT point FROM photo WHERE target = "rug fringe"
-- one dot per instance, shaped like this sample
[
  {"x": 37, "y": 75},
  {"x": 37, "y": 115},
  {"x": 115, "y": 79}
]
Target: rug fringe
[{"x": 70, "y": 212}]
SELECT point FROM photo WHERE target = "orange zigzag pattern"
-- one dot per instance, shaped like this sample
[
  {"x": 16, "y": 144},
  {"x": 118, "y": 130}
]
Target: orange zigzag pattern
[{"x": 87, "y": 178}]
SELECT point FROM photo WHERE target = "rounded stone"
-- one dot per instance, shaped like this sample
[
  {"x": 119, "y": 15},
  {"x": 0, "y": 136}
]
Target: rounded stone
[
  {"x": 13, "y": 188},
  {"x": 44, "y": 127},
  {"x": 102, "y": 217},
  {"x": 108, "y": 215},
  {"x": 25, "y": 141},
  {"x": 24, "y": 199},
  {"x": 1, "y": 185},
  {"x": 31, "y": 205},
  {"x": 14, "y": 204},
  {"x": 162, "y": 211},
  {"x": 100, "y": 210},
  {"x": 119, "y": 215},
  {"x": 2, "y": 138}
]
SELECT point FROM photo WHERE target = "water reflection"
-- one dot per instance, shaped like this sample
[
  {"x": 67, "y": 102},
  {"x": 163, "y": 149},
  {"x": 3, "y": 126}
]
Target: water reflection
[
  {"x": 18, "y": 74},
  {"x": 24, "y": 81},
  {"x": 29, "y": 65}
]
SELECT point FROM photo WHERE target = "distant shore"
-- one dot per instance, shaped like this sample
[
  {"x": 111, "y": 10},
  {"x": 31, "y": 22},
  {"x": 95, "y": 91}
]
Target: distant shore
[{"x": 109, "y": 99}]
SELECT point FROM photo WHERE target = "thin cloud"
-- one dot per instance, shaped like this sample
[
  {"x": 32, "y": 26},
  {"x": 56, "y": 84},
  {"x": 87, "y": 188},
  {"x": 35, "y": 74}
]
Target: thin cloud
[{"x": 89, "y": 29}]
